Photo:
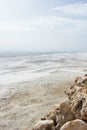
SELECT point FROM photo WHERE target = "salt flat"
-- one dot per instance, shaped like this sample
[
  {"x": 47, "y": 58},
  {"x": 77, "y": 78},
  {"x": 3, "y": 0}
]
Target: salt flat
[{"x": 27, "y": 102}]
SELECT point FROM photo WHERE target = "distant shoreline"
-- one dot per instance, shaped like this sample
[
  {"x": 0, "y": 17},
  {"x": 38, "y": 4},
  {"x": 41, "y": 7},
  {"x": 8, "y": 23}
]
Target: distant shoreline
[{"x": 26, "y": 53}]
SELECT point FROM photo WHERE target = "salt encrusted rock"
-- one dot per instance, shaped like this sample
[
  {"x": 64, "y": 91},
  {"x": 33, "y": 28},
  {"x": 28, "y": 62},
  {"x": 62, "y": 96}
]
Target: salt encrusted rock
[
  {"x": 74, "y": 125},
  {"x": 64, "y": 115},
  {"x": 51, "y": 115},
  {"x": 60, "y": 114},
  {"x": 44, "y": 125},
  {"x": 81, "y": 80},
  {"x": 78, "y": 86},
  {"x": 78, "y": 98},
  {"x": 79, "y": 107}
]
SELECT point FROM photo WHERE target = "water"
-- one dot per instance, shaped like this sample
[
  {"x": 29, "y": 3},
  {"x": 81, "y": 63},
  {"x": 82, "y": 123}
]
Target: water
[{"x": 24, "y": 66}]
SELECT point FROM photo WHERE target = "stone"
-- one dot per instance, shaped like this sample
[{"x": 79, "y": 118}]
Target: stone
[
  {"x": 77, "y": 80},
  {"x": 64, "y": 114},
  {"x": 51, "y": 115},
  {"x": 78, "y": 98},
  {"x": 60, "y": 114},
  {"x": 44, "y": 125},
  {"x": 74, "y": 125},
  {"x": 71, "y": 114}
]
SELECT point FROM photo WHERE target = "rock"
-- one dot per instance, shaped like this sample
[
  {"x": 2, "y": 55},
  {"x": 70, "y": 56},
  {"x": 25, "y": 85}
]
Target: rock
[
  {"x": 81, "y": 81},
  {"x": 74, "y": 125},
  {"x": 51, "y": 115},
  {"x": 60, "y": 114},
  {"x": 77, "y": 80},
  {"x": 64, "y": 114},
  {"x": 72, "y": 112},
  {"x": 44, "y": 125},
  {"x": 79, "y": 108},
  {"x": 85, "y": 75},
  {"x": 78, "y": 98}
]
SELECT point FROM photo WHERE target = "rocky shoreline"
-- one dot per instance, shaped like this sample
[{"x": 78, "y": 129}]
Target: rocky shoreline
[{"x": 70, "y": 114}]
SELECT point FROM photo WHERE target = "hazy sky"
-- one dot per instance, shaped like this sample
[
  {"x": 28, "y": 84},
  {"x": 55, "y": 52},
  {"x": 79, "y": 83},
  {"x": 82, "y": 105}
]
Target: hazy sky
[{"x": 43, "y": 25}]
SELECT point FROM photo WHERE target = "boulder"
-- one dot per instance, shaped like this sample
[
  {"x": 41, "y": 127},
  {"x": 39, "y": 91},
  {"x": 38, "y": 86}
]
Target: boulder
[
  {"x": 71, "y": 114},
  {"x": 60, "y": 114},
  {"x": 74, "y": 125},
  {"x": 64, "y": 114},
  {"x": 78, "y": 98},
  {"x": 44, "y": 125}
]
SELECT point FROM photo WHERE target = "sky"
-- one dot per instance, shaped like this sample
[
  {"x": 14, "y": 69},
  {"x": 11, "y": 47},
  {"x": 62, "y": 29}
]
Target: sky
[{"x": 43, "y": 25}]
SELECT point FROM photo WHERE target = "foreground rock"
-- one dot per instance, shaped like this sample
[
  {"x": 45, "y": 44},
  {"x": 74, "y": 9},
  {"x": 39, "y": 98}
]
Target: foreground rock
[
  {"x": 78, "y": 98},
  {"x": 60, "y": 114},
  {"x": 74, "y": 125},
  {"x": 71, "y": 114},
  {"x": 45, "y": 125}
]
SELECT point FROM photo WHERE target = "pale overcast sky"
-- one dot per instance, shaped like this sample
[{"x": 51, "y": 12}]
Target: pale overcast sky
[{"x": 43, "y": 25}]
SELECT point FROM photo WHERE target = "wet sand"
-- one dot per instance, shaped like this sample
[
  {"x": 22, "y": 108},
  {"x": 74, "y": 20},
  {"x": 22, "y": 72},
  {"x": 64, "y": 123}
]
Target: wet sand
[{"x": 25, "y": 103}]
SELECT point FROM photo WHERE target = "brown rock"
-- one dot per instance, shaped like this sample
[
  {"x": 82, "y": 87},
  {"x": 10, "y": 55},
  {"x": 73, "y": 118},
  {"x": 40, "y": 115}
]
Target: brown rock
[
  {"x": 81, "y": 81},
  {"x": 78, "y": 98},
  {"x": 74, "y": 125},
  {"x": 77, "y": 80},
  {"x": 51, "y": 115},
  {"x": 60, "y": 114},
  {"x": 85, "y": 75},
  {"x": 63, "y": 115},
  {"x": 44, "y": 125}
]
